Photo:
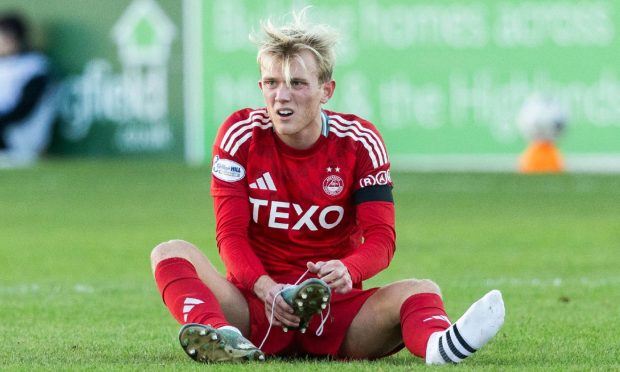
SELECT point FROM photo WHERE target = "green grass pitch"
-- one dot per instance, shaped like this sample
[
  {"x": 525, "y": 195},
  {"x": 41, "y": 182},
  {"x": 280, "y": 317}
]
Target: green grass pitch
[{"x": 76, "y": 290}]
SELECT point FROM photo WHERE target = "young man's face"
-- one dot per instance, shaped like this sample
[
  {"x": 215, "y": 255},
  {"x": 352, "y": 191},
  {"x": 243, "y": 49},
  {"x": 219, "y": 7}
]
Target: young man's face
[{"x": 295, "y": 110}]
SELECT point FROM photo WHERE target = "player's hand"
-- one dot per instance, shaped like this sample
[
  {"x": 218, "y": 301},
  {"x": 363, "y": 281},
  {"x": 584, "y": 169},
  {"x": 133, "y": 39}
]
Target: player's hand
[
  {"x": 334, "y": 273},
  {"x": 283, "y": 312}
]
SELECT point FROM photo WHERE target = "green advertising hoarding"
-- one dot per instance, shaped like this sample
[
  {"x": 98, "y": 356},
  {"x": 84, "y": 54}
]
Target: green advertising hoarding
[
  {"x": 442, "y": 80},
  {"x": 119, "y": 70}
]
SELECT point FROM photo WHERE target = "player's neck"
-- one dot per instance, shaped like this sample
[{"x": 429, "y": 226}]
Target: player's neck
[{"x": 305, "y": 138}]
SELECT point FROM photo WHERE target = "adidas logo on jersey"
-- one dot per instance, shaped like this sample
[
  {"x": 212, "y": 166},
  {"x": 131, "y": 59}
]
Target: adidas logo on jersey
[{"x": 264, "y": 182}]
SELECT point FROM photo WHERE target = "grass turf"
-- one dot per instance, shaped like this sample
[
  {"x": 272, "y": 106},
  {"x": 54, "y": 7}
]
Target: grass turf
[{"x": 76, "y": 288}]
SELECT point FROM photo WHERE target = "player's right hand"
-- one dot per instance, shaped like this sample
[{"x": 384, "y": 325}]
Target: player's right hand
[{"x": 283, "y": 312}]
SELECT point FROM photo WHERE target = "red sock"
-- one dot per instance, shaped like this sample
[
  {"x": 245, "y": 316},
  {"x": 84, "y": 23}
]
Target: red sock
[
  {"x": 421, "y": 315},
  {"x": 186, "y": 296}
]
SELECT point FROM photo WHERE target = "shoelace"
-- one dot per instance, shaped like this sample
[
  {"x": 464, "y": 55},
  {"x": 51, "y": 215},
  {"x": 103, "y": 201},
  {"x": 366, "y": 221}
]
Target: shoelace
[{"x": 319, "y": 330}]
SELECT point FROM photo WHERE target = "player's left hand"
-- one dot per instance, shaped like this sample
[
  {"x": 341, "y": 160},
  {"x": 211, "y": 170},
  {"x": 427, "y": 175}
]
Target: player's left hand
[{"x": 334, "y": 273}]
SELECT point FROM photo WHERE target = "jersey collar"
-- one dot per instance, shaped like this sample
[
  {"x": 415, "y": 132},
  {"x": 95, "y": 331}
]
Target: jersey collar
[{"x": 325, "y": 126}]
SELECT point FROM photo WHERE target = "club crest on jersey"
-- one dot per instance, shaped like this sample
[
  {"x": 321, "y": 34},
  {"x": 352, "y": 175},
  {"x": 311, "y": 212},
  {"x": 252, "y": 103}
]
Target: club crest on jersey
[
  {"x": 227, "y": 170},
  {"x": 333, "y": 185}
]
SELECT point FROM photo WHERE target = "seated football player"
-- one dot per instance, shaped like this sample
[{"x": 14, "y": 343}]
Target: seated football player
[{"x": 304, "y": 214}]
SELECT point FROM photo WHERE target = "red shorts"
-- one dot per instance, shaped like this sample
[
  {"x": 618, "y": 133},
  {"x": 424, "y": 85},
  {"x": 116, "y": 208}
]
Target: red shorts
[{"x": 343, "y": 308}]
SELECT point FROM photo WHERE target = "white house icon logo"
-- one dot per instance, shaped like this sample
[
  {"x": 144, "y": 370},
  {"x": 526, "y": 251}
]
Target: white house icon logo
[
  {"x": 135, "y": 101},
  {"x": 144, "y": 34}
]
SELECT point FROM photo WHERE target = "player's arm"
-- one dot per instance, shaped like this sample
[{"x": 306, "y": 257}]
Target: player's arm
[
  {"x": 232, "y": 216},
  {"x": 231, "y": 233},
  {"x": 232, "y": 220},
  {"x": 374, "y": 205},
  {"x": 231, "y": 205},
  {"x": 375, "y": 217}
]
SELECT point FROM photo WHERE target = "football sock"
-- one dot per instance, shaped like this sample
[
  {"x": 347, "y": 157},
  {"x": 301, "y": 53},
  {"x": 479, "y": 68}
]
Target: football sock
[
  {"x": 186, "y": 296},
  {"x": 421, "y": 315},
  {"x": 475, "y": 328}
]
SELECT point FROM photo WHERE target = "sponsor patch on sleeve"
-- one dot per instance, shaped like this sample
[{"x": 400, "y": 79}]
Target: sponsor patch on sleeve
[
  {"x": 380, "y": 178},
  {"x": 227, "y": 170}
]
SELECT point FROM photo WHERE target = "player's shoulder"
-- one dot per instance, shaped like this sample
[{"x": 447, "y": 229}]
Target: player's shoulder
[
  {"x": 350, "y": 127},
  {"x": 239, "y": 127},
  {"x": 343, "y": 121},
  {"x": 245, "y": 117},
  {"x": 359, "y": 133}
]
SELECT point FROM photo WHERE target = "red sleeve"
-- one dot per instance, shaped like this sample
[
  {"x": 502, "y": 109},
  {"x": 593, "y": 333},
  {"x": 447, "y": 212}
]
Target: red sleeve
[
  {"x": 376, "y": 219},
  {"x": 230, "y": 156},
  {"x": 232, "y": 216}
]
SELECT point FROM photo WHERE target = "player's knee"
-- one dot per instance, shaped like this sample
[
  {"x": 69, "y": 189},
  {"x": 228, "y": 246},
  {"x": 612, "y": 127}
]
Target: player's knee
[
  {"x": 170, "y": 249},
  {"x": 428, "y": 286},
  {"x": 390, "y": 298},
  {"x": 417, "y": 286}
]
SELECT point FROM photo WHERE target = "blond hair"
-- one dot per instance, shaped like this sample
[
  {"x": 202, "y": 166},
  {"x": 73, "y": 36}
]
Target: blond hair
[{"x": 288, "y": 41}]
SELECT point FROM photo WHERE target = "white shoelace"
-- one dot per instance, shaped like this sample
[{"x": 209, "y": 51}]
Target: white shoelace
[{"x": 319, "y": 330}]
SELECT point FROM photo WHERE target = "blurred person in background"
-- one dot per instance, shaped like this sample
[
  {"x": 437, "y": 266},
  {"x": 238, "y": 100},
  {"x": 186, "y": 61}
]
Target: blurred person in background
[{"x": 26, "y": 96}]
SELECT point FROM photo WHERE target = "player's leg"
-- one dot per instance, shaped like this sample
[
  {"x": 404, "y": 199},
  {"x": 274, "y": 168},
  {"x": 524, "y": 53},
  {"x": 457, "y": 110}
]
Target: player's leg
[
  {"x": 213, "y": 310},
  {"x": 182, "y": 255},
  {"x": 469, "y": 333},
  {"x": 411, "y": 312},
  {"x": 376, "y": 329}
]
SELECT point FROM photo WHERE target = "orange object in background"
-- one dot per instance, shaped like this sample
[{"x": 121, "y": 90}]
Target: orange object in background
[{"x": 541, "y": 157}]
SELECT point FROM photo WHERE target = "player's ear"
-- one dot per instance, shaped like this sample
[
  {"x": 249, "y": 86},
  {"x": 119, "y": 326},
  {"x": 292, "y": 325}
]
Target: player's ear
[
  {"x": 260, "y": 84},
  {"x": 328, "y": 90}
]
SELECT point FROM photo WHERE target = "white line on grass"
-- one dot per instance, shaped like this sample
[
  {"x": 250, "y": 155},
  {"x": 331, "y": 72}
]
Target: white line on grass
[
  {"x": 30, "y": 288},
  {"x": 81, "y": 288},
  {"x": 553, "y": 282}
]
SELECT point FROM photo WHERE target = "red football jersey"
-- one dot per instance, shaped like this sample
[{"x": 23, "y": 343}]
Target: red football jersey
[{"x": 301, "y": 204}]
